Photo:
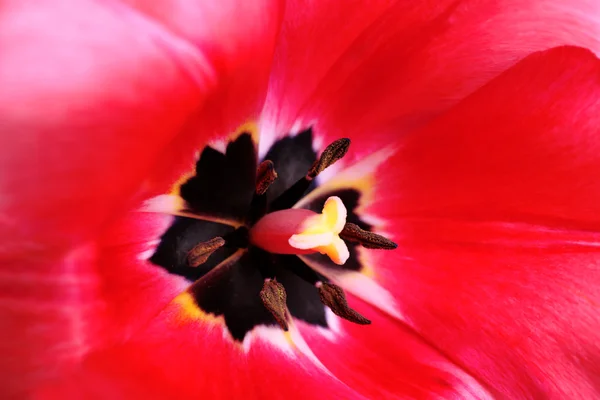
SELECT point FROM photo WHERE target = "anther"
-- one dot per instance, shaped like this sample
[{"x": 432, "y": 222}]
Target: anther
[
  {"x": 353, "y": 233},
  {"x": 333, "y": 297},
  {"x": 330, "y": 155},
  {"x": 265, "y": 176},
  {"x": 274, "y": 299},
  {"x": 200, "y": 253}
]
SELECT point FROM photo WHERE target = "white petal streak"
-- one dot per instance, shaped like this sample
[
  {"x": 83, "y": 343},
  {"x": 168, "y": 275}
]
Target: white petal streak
[{"x": 361, "y": 286}]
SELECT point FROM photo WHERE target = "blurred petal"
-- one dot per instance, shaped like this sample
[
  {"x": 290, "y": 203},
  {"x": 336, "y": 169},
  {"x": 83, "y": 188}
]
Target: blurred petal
[
  {"x": 239, "y": 38},
  {"x": 57, "y": 307},
  {"x": 192, "y": 357},
  {"x": 95, "y": 98},
  {"x": 48, "y": 312},
  {"x": 495, "y": 208},
  {"x": 89, "y": 96}
]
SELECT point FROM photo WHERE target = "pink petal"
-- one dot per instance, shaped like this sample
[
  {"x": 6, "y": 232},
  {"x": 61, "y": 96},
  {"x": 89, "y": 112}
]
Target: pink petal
[
  {"x": 239, "y": 38},
  {"x": 90, "y": 95},
  {"x": 495, "y": 207},
  {"x": 419, "y": 58},
  {"x": 311, "y": 40}
]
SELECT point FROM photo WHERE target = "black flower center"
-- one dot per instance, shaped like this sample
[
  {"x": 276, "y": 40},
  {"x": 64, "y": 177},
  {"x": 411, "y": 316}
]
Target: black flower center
[{"x": 232, "y": 278}]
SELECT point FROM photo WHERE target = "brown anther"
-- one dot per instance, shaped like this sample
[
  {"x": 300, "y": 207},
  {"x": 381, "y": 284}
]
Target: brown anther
[
  {"x": 353, "y": 233},
  {"x": 200, "y": 253},
  {"x": 330, "y": 155},
  {"x": 333, "y": 297},
  {"x": 274, "y": 298},
  {"x": 265, "y": 176}
]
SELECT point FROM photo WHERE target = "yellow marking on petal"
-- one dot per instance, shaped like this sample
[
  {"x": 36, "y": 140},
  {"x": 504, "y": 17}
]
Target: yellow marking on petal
[
  {"x": 190, "y": 310},
  {"x": 321, "y": 232},
  {"x": 368, "y": 271},
  {"x": 221, "y": 142},
  {"x": 289, "y": 339},
  {"x": 250, "y": 127},
  {"x": 182, "y": 179},
  {"x": 366, "y": 263}
]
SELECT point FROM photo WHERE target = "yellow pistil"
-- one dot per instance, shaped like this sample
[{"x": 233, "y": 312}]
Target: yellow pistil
[{"x": 321, "y": 232}]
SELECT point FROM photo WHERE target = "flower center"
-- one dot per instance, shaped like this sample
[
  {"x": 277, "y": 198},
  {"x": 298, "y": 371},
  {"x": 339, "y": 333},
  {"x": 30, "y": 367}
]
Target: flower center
[{"x": 270, "y": 233}]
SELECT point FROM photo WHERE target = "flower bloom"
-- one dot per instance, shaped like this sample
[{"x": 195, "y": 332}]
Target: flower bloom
[{"x": 175, "y": 224}]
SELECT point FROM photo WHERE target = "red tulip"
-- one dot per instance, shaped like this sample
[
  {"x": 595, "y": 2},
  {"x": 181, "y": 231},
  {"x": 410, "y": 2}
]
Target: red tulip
[{"x": 136, "y": 257}]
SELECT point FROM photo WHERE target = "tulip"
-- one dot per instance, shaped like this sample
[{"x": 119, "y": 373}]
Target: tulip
[{"x": 302, "y": 199}]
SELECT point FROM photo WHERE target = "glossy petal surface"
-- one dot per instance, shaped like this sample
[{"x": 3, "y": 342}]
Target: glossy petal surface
[
  {"x": 495, "y": 209},
  {"x": 417, "y": 59}
]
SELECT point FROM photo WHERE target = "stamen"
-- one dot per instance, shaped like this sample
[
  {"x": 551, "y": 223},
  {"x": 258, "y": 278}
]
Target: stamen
[
  {"x": 333, "y": 297},
  {"x": 274, "y": 299},
  {"x": 330, "y": 155},
  {"x": 353, "y": 233},
  {"x": 200, "y": 253},
  {"x": 265, "y": 176}
]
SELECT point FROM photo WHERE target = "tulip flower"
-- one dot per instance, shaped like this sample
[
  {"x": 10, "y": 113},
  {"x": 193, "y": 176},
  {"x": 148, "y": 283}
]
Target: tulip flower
[{"x": 299, "y": 199}]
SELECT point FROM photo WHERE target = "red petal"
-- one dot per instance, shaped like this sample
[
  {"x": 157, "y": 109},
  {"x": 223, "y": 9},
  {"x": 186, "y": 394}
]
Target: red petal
[
  {"x": 48, "y": 313},
  {"x": 495, "y": 207},
  {"x": 193, "y": 358},
  {"x": 524, "y": 148},
  {"x": 387, "y": 359},
  {"x": 420, "y": 58},
  {"x": 89, "y": 97},
  {"x": 310, "y": 42},
  {"x": 239, "y": 38},
  {"x": 133, "y": 289},
  {"x": 57, "y": 307}
]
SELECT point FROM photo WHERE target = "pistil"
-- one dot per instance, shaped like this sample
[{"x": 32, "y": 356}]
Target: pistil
[{"x": 299, "y": 231}]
